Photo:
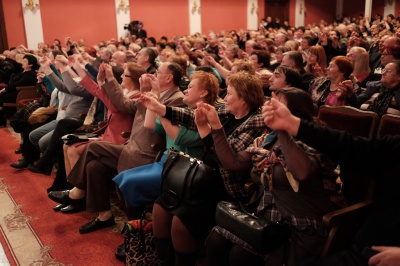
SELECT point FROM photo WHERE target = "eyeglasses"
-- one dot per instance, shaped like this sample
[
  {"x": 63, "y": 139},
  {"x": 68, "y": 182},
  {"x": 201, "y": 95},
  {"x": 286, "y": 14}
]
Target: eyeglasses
[
  {"x": 125, "y": 75},
  {"x": 387, "y": 71}
]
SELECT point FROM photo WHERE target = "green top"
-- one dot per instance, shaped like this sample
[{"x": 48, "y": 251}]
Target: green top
[{"x": 187, "y": 140}]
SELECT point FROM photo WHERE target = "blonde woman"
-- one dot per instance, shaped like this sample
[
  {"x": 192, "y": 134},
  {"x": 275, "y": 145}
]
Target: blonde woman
[{"x": 360, "y": 59}]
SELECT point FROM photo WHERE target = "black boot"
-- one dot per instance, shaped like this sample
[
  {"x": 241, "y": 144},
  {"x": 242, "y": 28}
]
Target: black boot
[
  {"x": 41, "y": 168},
  {"x": 165, "y": 252},
  {"x": 22, "y": 164}
]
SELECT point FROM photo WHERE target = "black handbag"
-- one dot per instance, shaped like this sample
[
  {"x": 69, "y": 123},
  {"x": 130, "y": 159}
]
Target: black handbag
[
  {"x": 262, "y": 235},
  {"x": 186, "y": 180}
]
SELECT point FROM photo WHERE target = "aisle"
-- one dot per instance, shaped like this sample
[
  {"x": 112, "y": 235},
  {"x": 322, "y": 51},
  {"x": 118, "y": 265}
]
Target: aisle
[{"x": 31, "y": 233}]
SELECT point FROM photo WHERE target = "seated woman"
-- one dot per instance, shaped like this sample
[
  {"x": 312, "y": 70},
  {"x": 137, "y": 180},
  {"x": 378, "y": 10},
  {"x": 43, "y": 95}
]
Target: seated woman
[
  {"x": 117, "y": 121},
  {"x": 316, "y": 61},
  {"x": 141, "y": 185},
  {"x": 362, "y": 72},
  {"x": 26, "y": 78},
  {"x": 336, "y": 88},
  {"x": 185, "y": 226},
  {"x": 284, "y": 77},
  {"x": 298, "y": 188}
]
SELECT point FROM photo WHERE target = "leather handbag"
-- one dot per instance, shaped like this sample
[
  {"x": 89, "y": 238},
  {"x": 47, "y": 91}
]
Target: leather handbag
[
  {"x": 261, "y": 234},
  {"x": 186, "y": 180},
  {"x": 139, "y": 246}
]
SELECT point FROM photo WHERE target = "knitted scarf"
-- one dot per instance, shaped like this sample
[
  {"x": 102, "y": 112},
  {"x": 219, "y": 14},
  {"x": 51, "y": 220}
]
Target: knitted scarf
[{"x": 382, "y": 102}]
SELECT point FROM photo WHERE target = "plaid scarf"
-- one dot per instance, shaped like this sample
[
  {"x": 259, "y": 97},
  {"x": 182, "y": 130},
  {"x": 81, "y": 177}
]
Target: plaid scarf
[{"x": 382, "y": 102}]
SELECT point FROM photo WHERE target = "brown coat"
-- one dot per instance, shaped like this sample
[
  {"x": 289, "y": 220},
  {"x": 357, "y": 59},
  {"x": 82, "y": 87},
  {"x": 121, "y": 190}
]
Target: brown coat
[{"x": 138, "y": 150}]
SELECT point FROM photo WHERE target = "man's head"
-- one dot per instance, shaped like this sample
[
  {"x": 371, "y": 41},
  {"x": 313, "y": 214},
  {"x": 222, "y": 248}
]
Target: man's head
[
  {"x": 118, "y": 58},
  {"x": 146, "y": 57},
  {"x": 280, "y": 39},
  {"x": 293, "y": 59},
  {"x": 169, "y": 75}
]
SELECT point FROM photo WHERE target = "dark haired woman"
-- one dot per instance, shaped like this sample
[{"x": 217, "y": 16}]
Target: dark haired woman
[
  {"x": 298, "y": 187},
  {"x": 26, "y": 78}
]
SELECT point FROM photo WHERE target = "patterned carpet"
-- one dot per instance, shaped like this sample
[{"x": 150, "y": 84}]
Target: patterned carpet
[{"x": 31, "y": 233}]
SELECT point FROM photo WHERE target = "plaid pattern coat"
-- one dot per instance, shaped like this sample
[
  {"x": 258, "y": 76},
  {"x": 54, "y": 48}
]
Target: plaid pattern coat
[{"x": 239, "y": 140}]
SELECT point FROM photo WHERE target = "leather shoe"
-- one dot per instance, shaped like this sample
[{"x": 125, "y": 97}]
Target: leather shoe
[
  {"x": 59, "y": 207},
  {"x": 21, "y": 164},
  {"x": 63, "y": 197},
  {"x": 72, "y": 208},
  {"x": 96, "y": 224},
  {"x": 120, "y": 254},
  {"x": 40, "y": 170}
]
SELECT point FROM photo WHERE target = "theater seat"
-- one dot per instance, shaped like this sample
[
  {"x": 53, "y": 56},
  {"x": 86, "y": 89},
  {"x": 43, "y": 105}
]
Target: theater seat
[{"x": 389, "y": 125}]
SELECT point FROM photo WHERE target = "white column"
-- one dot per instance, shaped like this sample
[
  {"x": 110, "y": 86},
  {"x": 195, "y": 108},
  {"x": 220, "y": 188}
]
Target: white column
[
  {"x": 339, "y": 8},
  {"x": 123, "y": 15},
  {"x": 194, "y": 16},
  {"x": 389, "y": 8},
  {"x": 252, "y": 14},
  {"x": 368, "y": 8},
  {"x": 33, "y": 23},
  {"x": 300, "y": 12}
]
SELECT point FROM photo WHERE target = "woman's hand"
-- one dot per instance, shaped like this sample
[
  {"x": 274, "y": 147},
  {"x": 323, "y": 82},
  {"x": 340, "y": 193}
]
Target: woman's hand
[
  {"x": 150, "y": 101},
  {"x": 200, "y": 118},
  {"x": 345, "y": 89},
  {"x": 144, "y": 81},
  {"x": 278, "y": 117},
  {"x": 211, "y": 115},
  {"x": 318, "y": 71},
  {"x": 108, "y": 72},
  {"x": 101, "y": 76},
  {"x": 40, "y": 76}
]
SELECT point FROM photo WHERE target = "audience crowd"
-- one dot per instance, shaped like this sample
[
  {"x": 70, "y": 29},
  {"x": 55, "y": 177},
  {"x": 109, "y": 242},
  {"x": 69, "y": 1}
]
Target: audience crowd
[{"x": 204, "y": 95}]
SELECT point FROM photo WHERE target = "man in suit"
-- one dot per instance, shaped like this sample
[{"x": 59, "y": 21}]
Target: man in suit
[
  {"x": 102, "y": 160},
  {"x": 147, "y": 58}
]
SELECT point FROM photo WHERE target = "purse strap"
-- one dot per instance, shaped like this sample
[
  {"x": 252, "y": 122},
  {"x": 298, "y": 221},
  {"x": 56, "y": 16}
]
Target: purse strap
[{"x": 142, "y": 238}]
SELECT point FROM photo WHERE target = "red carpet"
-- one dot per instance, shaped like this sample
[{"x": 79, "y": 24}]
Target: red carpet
[{"x": 33, "y": 234}]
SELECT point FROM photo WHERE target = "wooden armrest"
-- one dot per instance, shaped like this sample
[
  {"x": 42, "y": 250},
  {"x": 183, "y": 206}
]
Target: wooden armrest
[
  {"x": 356, "y": 211},
  {"x": 26, "y": 88}
]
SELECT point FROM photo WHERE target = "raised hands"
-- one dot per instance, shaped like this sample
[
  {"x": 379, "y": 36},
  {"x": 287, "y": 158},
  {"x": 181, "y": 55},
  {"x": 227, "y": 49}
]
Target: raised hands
[
  {"x": 108, "y": 72},
  {"x": 345, "y": 89},
  {"x": 150, "y": 101},
  {"x": 206, "y": 114},
  {"x": 40, "y": 76},
  {"x": 278, "y": 117},
  {"x": 318, "y": 71},
  {"x": 148, "y": 83},
  {"x": 44, "y": 62}
]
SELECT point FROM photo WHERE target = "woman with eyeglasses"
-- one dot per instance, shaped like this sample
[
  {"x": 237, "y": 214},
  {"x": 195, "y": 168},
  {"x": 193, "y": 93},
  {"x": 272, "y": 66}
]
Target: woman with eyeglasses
[{"x": 117, "y": 122}]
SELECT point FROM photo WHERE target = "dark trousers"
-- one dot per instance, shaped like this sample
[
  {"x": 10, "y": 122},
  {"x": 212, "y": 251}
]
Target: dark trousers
[{"x": 93, "y": 172}]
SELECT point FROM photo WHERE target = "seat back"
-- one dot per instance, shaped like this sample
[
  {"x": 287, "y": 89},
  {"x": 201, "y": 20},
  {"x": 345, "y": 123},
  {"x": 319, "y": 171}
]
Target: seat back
[
  {"x": 360, "y": 123},
  {"x": 357, "y": 189},
  {"x": 355, "y": 121},
  {"x": 389, "y": 125},
  {"x": 24, "y": 92}
]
